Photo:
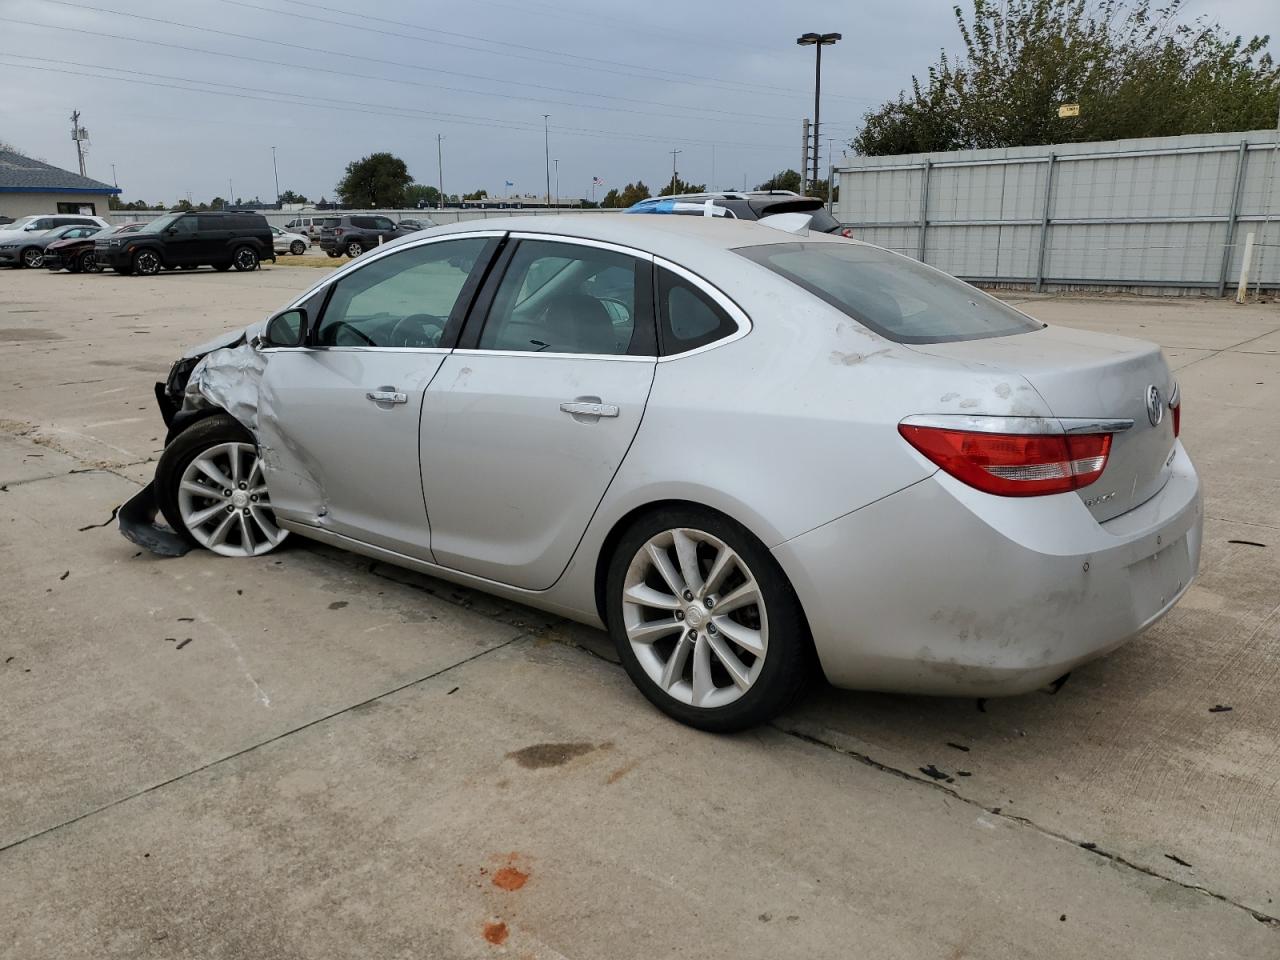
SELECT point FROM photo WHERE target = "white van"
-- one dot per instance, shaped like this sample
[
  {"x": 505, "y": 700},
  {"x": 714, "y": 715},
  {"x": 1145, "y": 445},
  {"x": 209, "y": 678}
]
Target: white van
[{"x": 308, "y": 226}]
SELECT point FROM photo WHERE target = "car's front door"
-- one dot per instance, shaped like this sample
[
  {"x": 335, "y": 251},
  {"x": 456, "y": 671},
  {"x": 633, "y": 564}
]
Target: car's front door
[
  {"x": 182, "y": 241},
  {"x": 339, "y": 415},
  {"x": 529, "y": 419}
]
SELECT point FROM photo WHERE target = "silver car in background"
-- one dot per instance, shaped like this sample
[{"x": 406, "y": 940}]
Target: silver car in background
[{"x": 739, "y": 449}]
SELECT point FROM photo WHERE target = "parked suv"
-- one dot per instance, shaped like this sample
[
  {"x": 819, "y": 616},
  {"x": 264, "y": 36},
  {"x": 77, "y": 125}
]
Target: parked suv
[
  {"x": 307, "y": 226},
  {"x": 747, "y": 205},
  {"x": 353, "y": 234},
  {"x": 219, "y": 239}
]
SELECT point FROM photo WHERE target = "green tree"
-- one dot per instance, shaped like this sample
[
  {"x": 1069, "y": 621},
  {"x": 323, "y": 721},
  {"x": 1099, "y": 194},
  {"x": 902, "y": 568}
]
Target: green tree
[
  {"x": 782, "y": 180},
  {"x": 421, "y": 195},
  {"x": 1133, "y": 68},
  {"x": 680, "y": 186},
  {"x": 631, "y": 194},
  {"x": 290, "y": 197},
  {"x": 376, "y": 181},
  {"x": 478, "y": 195}
]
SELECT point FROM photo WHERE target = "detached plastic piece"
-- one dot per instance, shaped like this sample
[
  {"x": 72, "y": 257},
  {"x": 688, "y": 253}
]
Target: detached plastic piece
[
  {"x": 138, "y": 523},
  {"x": 797, "y": 223}
]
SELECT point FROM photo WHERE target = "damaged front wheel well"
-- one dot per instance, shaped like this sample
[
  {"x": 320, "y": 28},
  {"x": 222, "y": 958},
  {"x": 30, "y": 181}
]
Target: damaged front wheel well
[{"x": 185, "y": 418}]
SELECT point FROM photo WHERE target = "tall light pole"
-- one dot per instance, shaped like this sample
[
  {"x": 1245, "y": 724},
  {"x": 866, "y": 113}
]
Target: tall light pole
[
  {"x": 673, "y": 169},
  {"x": 556, "y": 161},
  {"x": 440, "y": 166},
  {"x": 546, "y": 142},
  {"x": 277, "y": 172},
  {"x": 817, "y": 41}
]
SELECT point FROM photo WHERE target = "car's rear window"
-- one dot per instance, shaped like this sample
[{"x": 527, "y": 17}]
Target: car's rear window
[
  {"x": 330, "y": 222},
  {"x": 897, "y": 297}
]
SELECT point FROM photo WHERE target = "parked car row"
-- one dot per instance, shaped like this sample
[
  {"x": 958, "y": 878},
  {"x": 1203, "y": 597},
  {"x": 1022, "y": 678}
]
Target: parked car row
[
  {"x": 312, "y": 226},
  {"x": 22, "y": 242}
]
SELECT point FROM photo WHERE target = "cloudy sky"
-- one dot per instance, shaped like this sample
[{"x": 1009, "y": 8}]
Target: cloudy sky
[{"x": 185, "y": 96}]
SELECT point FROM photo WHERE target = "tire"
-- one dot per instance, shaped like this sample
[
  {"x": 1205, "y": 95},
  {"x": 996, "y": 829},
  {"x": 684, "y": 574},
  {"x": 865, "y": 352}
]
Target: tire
[
  {"x": 32, "y": 257},
  {"x": 217, "y": 520},
  {"x": 72, "y": 266},
  {"x": 147, "y": 263},
  {"x": 297, "y": 248},
  {"x": 245, "y": 258},
  {"x": 222, "y": 267},
  {"x": 666, "y": 664},
  {"x": 334, "y": 254},
  {"x": 88, "y": 262},
  {"x": 354, "y": 249}
]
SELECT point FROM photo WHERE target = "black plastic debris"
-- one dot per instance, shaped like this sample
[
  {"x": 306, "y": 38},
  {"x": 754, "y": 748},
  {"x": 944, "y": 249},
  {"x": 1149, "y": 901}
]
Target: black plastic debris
[
  {"x": 1248, "y": 543},
  {"x": 1220, "y": 708},
  {"x": 934, "y": 773},
  {"x": 104, "y": 523},
  {"x": 1178, "y": 860},
  {"x": 138, "y": 524},
  {"x": 957, "y": 746},
  {"x": 65, "y": 575}
]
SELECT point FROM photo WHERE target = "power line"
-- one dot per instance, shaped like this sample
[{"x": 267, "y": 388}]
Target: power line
[{"x": 98, "y": 34}]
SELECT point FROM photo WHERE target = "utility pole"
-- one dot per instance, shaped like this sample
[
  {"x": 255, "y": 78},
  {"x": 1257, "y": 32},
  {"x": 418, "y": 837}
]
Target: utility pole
[
  {"x": 557, "y": 163},
  {"x": 276, "y": 171},
  {"x": 440, "y": 165},
  {"x": 804, "y": 156},
  {"x": 114, "y": 182},
  {"x": 674, "y": 154},
  {"x": 231, "y": 195},
  {"x": 712, "y": 184},
  {"x": 79, "y": 135},
  {"x": 817, "y": 41},
  {"x": 831, "y": 170},
  {"x": 546, "y": 142}
]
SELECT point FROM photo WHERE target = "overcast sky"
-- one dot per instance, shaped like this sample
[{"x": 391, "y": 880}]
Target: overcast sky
[{"x": 625, "y": 84}]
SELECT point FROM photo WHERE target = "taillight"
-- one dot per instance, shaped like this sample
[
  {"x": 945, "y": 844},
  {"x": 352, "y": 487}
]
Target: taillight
[
  {"x": 337, "y": 231},
  {"x": 1175, "y": 408},
  {"x": 1013, "y": 464}
]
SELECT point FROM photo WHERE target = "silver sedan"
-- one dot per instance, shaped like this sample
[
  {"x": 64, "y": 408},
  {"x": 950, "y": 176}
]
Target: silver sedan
[{"x": 743, "y": 450}]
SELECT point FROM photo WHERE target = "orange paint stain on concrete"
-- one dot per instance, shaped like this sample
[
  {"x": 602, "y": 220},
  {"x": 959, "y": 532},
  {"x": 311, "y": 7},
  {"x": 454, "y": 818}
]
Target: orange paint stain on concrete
[
  {"x": 496, "y": 933},
  {"x": 509, "y": 878}
]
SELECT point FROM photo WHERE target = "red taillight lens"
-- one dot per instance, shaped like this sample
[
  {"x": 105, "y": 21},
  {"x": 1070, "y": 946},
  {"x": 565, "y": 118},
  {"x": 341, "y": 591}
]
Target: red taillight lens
[
  {"x": 1176, "y": 409},
  {"x": 1014, "y": 465},
  {"x": 337, "y": 231}
]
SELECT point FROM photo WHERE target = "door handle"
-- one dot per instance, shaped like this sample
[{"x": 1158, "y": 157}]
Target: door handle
[
  {"x": 588, "y": 408},
  {"x": 387, "y": 396}
]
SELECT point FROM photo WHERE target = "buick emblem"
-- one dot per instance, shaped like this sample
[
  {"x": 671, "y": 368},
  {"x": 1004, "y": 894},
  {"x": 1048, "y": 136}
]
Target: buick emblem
[{"x": 1155, "y": 407}]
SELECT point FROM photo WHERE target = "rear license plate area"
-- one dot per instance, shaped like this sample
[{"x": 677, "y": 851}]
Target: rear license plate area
[{"x": 1156, "y": 580}]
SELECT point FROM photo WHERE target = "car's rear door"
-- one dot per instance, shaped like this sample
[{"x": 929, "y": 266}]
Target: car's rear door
[
  {"x": 529, "y": 419},
  {"x": 340, "y": 414}
]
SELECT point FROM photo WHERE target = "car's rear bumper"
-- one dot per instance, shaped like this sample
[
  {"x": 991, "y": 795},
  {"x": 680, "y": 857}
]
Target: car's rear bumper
[
  {"x": 941, "y": 589},
  {"x": 9, "y": 258}
]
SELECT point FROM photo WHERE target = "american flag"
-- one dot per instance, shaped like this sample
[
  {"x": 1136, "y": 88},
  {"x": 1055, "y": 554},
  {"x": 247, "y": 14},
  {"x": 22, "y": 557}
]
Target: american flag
[{"x": 597, "y": 182}]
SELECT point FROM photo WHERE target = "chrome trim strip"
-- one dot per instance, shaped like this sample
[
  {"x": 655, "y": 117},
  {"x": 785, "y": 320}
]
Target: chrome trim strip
[
  {"x": 738, "y": 315},
  {"x": 1175, "y": 397},
  {"x": 476, "y": 352},
  {"x": 581, "y": 241},
  {"x": 354, "y": 349},
  {"x": 978, "y": 423}
]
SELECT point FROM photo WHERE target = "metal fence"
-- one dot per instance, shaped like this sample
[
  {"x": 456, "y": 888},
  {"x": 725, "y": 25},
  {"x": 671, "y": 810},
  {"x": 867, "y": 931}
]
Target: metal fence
[{"x": 1170, "y": 213}]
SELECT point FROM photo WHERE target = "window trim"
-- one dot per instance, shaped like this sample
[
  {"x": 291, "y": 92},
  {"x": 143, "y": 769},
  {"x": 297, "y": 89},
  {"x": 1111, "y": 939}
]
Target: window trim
[
  {"x": 469, "y": 340},
  {"x": 735, "y": 312}
]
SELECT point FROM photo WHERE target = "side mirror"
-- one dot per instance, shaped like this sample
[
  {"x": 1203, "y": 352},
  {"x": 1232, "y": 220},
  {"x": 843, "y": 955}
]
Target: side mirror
[{"x": 287, "y": 329}]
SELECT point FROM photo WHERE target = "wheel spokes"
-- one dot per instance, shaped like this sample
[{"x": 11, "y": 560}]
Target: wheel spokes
[
  {"x": 687, "y": 555},
  {"x": 653, "y": 630},
  {"x": 749, "y": 640},
  {"x": 662, "y": 563},
  {"x": 647, "y": 596},
  {"x": 719, "y": 569},
  {"x": 213, "y": 473},
  {"x": 741, "y": 596},
  {"x": 703, "y": 684},
  {"x": 674, "y": 668},
  {"x": 728, "y": 659}
]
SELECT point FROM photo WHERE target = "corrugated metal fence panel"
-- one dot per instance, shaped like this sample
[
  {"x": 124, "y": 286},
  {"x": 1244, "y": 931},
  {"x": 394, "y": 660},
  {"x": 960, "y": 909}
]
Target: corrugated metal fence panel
[{"x": 1150, "y": 212}]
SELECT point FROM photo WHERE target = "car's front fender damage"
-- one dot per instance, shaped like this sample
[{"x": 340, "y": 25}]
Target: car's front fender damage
[{"x": 226, "y": 379}]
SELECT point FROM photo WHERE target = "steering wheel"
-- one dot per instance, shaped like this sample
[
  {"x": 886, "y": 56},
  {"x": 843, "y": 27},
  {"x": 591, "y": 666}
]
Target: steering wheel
[
  {"x": 342, "y": 327},
  {"x": 417, "y": 330}
]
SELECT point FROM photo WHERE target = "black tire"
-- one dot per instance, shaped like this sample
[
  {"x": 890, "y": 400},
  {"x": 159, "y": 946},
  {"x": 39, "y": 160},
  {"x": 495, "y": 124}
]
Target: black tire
[
  {"x": 147, "y": 263},
  {"x": 222, "y": 267},
  {"x": 245, "y": 258},
  {"x": 354, "y": 249},
  {"x": 32, "y": 257},
  {"x": 787, "y": 663},
  {"x": 182, "y": 449},
  {"x": 72, "y": 265},
  {"x": 334, "y": 254},
  {"x": 88, "y": 262},
  {"x": 297, "y": 248}
]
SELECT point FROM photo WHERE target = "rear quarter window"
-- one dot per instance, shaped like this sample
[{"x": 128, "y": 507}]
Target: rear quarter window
[{"x": 897, "y": 297}]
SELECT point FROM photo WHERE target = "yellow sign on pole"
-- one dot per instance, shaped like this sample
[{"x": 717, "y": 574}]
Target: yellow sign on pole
[{"x": 1069, "y": 110}]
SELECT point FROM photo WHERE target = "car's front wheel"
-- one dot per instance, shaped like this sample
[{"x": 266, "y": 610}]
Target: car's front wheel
[
  {"x": 211, "y": 489},
  {"x": 147, "y": 263},
  {"x": 297, "y": 248},
  {"x": 33, "y": 257},
  {"x": 705, "y": 621},
  {"x": 245, "y": 258},
  {"x": 88, "y": 262}
]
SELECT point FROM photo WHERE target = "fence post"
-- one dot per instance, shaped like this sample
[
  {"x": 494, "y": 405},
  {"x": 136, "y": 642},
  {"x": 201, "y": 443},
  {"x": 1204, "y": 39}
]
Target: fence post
[
  {"x": 1044, "y": 223},
  {"x": 1242, "y": 288},
  {"x": 924, "y": 209},
  {"x": 1232, "y": 214}
]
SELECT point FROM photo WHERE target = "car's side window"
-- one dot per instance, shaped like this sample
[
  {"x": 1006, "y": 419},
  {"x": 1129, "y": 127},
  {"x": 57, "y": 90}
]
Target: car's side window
[
  {"x": 401, "y": 300},
  {"x": 382, "y": 223},
  {"x": 687, "y": 317},
  {"x": 567, "y": 298},
  {"x": 185, "y": 226}
]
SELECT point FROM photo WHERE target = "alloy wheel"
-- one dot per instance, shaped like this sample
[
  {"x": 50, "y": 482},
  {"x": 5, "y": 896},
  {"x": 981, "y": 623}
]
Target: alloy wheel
[
  {"x": 33, "y": 257},
  {"x": 223, "y": 500},
  {"x": 245, "y": 259},
  {"x": 354, "y": 249},
  {"x": 695, "y": 617},
  {"x": 89, "y": 262},
  {"x": 297, "y": 248},
  {"x": 146, "y": 263}
]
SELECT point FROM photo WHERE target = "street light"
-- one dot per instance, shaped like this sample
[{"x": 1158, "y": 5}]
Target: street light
[
  {"x": 556, "y": 161},
  {"x": 817, "y": 41},
  {"x": 546, "y": 141},
  {"x": 276, "y": 171}
]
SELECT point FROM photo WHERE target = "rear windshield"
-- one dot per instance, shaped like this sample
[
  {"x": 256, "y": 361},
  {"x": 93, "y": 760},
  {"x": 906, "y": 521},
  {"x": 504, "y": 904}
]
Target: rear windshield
[
  {"x": 822, "y": 221},
  {"x": 897, "y": 297},
  {"x": 330, "y": 222}
]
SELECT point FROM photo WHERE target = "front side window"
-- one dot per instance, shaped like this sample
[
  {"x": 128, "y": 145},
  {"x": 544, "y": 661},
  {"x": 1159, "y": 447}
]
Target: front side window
[
  {"x": 899, "y": 298},
  {"x": 382, "y": 223},
  {"x": 160, "y": 224},
  {"x": 566, "y": 298},
  {"x": 401, "y": 300}
]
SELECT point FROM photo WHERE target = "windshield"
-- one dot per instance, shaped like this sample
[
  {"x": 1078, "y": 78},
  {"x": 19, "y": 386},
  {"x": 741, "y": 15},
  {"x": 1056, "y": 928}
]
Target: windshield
[
  {"x": 897, "y": 297},
  {"x": 18, "y": 224},
  {"x": 158, "y": 224}
]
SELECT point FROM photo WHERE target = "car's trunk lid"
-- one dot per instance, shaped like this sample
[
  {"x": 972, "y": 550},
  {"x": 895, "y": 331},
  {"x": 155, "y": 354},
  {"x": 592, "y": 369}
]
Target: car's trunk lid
[{"x": 1085, "y": 375}]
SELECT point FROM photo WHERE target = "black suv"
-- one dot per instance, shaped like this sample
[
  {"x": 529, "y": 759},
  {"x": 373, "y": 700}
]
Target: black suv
[
  {"x": 218, "y": 239},
  {"x": 355, "y": 233},
  {"x": 747, "y": 205}
]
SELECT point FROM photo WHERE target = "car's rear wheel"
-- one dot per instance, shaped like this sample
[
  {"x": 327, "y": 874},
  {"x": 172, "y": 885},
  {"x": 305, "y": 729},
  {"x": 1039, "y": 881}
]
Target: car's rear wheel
[
  {"x": 33, "y": 257},
  {"x": 245, "y": 258},
  {"x": 705, "y": 621},
  {"x": 297, "y": 248},
  {"x": 334, "y": 254},
  {"x": 146, "y": 263},
  {"x": 354, "y": 249},
  {"x": 211, "y": 490}
]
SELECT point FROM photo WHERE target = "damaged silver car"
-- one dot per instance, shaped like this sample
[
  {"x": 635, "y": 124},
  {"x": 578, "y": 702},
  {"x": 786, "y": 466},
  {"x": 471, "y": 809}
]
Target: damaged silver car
[{"x": 741, "y": 450}]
